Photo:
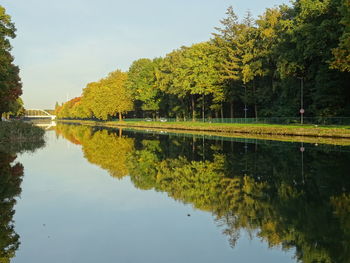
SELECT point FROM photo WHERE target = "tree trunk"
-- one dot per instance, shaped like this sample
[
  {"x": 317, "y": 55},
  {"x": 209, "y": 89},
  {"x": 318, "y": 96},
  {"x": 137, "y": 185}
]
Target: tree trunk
[
  {"x": 222, "y": 113},
  {"x": 120, "y": 132},
  {"x": 203, "y": 108},
  {"x": 256, "y": 111},
  {"x": 255, "y": 105},
  {"x": 120, "y": 116},
  {"x": 231, "y": 110},
  {"x": 193, "y": 109}
]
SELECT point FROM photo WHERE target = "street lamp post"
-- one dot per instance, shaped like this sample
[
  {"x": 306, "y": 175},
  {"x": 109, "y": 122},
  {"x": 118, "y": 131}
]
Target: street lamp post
[
  {"x": 245, "y": 103},
  {"x": 302, "y": 111}
]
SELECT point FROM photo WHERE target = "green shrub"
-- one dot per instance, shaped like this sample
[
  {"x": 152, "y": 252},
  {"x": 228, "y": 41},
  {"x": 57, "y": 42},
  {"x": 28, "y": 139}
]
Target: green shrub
[{"x": 20, "y": 131}]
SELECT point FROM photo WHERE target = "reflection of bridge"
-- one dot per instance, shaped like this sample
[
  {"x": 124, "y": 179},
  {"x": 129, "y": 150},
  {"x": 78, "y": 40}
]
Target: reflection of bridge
[
  {"x": 46, "y": 125},
  {"x": 38, "y": 114}
]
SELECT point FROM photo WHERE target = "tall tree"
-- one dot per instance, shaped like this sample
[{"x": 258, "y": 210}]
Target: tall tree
[
  {"x": 10, "y": 84},
  {"x": 242, "y": 63},
  {"x": 202, "y": 77},
  {"x": 342, "y": 52},
  {"x": 141, "y": 83},
  {"x": 225, "y": 41},
  {"x": 313, "y": 32},
  {"x": 110, "y": 96},
  {"x": 170, "y": 80},
  {"x": 192, "y": 72}
]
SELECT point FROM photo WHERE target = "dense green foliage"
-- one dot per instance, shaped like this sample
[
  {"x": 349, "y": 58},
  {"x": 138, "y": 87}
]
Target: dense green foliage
[
  {"x": 142, "y": 77},
  {"x": 16, "y": 109},
  {"x": 289, "y": 198},
  {"x": 10, "y": 84},
  {"x": 342, "y": 52},
  {"x": 101, "y": 99},
  {"x": 18, "y": 131},
  {"x": 253, "y": 67}
]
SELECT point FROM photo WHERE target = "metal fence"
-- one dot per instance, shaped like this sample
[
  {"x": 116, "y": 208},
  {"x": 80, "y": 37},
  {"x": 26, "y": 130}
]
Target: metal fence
[{"x": 272, "y": 120}]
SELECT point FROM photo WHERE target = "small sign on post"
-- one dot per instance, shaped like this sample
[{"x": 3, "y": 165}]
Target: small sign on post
[{"x": 302, "y": 111}]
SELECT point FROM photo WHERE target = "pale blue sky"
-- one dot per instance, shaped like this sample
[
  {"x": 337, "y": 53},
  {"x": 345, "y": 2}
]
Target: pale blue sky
[{"x": 63, "y": 45}]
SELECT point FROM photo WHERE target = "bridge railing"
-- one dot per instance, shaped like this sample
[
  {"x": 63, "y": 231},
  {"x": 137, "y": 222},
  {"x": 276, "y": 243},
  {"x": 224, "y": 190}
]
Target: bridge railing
[{"x": 38, "y": 113}]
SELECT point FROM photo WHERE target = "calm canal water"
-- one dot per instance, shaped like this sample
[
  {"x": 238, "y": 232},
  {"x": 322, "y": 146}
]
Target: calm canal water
[{"x": 104, "y": 195}]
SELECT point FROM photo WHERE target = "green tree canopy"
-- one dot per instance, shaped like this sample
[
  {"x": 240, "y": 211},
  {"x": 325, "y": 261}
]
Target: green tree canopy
[{"x": 10, "y": 83}]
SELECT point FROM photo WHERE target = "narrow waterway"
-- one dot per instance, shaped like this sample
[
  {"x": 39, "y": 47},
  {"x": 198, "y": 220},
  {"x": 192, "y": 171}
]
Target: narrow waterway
[{"x": 106, "y": 195}]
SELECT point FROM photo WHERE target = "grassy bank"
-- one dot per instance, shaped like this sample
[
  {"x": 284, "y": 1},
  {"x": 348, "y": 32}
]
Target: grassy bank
[
  {"x": 311, "y": 134},
  {"x": 17, "y": 131}
]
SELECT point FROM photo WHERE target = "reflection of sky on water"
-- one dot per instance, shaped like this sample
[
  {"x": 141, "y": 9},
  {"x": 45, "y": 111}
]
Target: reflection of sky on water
[{"x": 73, "y": 211}]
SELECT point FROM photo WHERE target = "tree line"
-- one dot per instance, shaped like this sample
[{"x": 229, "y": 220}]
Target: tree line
[
  {"x": 10, "y": 82},
  {"x": 290, "y": 57}
]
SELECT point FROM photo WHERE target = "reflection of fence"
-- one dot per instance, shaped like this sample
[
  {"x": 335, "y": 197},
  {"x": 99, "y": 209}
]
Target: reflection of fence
[
  {"x": 271, "y": 120},
  {"x": 291, "y": 144}
]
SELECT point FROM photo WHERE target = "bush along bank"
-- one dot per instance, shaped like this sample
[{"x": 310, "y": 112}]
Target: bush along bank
[{"x": 17, "y": 131}]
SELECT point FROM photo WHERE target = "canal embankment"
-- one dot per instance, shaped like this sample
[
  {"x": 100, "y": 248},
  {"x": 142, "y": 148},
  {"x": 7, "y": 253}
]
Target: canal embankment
[{"x": 337, "y": 135}]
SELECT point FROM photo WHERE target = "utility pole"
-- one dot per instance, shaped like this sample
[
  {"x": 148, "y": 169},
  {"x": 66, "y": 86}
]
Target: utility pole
[
  {"x": 245, "y": 102},
  {"x": 302, "y": 111}
]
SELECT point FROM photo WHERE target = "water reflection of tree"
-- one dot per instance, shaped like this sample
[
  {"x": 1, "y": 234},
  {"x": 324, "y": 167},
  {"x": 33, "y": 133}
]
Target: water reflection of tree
[
  {"x": 11, "y": 175},
  {"x": 109, "y": 151},
  {"x": 255, "y": 187},
  {"x": 10, "y": 187},
  {"x": 106, "y": 149}
]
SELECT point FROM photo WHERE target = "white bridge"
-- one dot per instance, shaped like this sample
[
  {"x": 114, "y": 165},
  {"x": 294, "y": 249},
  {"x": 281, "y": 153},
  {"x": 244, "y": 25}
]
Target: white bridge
[{"x": 38, "y": 114}]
